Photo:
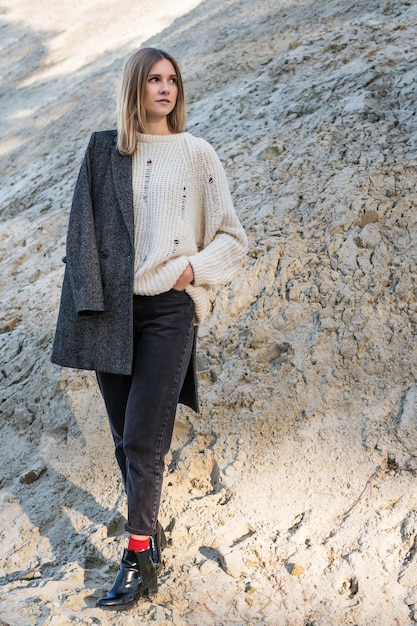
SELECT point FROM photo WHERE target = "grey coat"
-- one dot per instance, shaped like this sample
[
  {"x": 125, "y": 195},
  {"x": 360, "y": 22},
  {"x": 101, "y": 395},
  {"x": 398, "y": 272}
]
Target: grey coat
[{"x": 95, "y": 321}]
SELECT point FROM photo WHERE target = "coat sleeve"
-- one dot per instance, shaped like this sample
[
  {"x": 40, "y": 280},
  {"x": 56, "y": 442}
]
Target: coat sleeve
[
  {"x": 82, "y": 255},
  {"x": 225, "y": 241}
]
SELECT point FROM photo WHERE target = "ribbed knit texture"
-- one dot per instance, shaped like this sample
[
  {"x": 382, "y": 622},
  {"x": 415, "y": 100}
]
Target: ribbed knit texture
[{"x": 183, "y": 214}]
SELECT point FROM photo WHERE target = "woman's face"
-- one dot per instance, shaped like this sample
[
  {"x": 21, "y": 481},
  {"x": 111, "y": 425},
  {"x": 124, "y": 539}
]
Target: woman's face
[{"x": 161, "y": 90}]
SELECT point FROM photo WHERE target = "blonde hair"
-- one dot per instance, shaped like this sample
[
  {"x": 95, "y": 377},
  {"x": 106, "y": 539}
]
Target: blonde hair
[{"x": 131, "y": 113}]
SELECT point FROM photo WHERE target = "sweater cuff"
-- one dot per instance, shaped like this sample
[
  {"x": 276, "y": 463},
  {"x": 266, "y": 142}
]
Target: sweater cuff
[
  {"x": 199, "y": 270},
  {"x": 191, "y": 261}
]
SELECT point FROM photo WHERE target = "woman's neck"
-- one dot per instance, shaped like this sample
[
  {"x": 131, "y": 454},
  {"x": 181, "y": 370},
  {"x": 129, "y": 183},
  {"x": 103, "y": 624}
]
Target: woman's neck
[{"x": 158, "y": 127}]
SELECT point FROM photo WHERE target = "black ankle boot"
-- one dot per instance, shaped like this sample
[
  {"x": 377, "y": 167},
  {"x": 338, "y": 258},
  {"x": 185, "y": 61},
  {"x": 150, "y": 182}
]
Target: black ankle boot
[
  {"x": 136, "y": 578},
  {"x": 157, "y": 544}
]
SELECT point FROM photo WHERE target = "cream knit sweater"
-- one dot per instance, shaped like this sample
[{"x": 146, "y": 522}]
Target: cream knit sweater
[{"x": 183, "y": 214}]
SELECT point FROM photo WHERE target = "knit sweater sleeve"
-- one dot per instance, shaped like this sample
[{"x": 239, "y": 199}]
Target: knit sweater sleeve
[{"x": 224, "y": 241}]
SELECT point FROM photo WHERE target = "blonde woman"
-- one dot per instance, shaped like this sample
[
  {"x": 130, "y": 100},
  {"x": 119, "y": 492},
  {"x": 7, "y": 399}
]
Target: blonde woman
[{"x": 152, "y": 226}]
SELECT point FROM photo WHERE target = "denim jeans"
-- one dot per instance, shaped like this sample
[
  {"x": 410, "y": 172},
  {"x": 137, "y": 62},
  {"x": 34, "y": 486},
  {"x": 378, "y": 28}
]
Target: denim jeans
[{"x": 141, "y": 407}]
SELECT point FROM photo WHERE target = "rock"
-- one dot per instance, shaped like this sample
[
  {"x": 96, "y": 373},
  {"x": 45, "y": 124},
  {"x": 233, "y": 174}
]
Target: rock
[
  {"x": 231, "y": 561},
  {"x": 204, "y": 370},
  {"x": 23, "y": 417},
  {"x": 32, "y": 476},
  {"x": 11, "y": 325},
  {"x": 369, "y": 237},
  {"x": 369, "y": 217},
  {"x": 295, "y": 569},
  {"x": 35, "y": 276},
  {"x": 272, "y": 152}
]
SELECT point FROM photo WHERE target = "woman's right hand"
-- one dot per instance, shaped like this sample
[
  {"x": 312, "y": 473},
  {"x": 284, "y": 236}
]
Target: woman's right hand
[{"x": 185, "y": 279}]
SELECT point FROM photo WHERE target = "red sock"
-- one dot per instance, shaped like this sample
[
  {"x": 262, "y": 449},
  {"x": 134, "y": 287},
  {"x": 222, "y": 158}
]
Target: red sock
[{"x": 138, "y": 545}]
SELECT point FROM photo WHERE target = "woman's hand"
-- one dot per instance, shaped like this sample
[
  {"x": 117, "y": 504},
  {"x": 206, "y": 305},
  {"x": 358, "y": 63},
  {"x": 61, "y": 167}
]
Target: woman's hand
[{"x": 185, "y": 279}]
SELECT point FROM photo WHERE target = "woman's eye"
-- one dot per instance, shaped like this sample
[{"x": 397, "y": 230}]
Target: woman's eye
[{"x": 156, "y": 79}]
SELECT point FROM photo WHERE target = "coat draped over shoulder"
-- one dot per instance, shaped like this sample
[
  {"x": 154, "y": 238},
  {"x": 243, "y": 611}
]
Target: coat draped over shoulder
[{"x": 95, "y": 322}]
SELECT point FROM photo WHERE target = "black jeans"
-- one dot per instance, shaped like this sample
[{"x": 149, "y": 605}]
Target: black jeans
[{"x": 142, "y": 407}]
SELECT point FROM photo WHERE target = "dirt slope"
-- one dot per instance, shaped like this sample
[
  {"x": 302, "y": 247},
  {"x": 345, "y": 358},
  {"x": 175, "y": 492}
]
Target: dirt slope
[{"x": 291, "y": 499}]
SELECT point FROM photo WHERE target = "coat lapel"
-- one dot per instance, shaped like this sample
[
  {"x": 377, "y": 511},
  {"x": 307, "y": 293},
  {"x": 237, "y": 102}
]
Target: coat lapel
[{"x": 122, "y": 179}]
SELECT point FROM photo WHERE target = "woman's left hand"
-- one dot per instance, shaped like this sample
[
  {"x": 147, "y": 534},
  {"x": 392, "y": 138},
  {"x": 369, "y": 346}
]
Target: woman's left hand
[{"x": 185, "y": 279}]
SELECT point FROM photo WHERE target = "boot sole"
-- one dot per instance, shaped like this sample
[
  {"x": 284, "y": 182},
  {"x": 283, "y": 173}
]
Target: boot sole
[{"x": 148, "y": 593}]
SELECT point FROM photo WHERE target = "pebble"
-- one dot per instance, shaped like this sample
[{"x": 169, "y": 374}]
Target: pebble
[{"x": 32, "y": 476}]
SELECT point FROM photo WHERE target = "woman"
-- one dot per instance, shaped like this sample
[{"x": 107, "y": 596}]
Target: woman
[{"x": 152, "y": 225}]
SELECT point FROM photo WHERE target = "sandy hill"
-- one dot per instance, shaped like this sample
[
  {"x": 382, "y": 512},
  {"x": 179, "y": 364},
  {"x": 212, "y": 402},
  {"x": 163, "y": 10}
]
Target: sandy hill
[{"x": 291, "y": 500}]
